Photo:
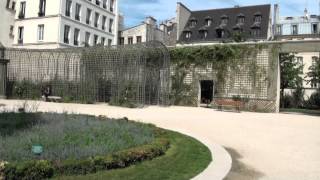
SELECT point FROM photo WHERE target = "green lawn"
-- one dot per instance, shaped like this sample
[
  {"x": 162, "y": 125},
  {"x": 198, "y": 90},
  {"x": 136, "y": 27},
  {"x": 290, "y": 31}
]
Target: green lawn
[
  {"x": 185, "y": 159},
  {"x": 302, "y": 111}
]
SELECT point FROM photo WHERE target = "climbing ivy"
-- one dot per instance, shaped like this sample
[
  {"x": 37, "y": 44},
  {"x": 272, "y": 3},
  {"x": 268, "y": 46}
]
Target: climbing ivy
[{"x": 222, "y": 59}]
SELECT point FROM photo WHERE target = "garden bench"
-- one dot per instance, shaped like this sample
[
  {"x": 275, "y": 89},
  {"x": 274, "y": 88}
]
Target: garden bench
[
  {"x": 224, "y": 103},
  {"x": 54, "y": 99}
]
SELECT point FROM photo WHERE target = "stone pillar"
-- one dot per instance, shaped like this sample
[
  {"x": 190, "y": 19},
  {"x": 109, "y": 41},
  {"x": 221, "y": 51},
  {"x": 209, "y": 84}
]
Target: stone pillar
[{"x": 3, "y": 72}]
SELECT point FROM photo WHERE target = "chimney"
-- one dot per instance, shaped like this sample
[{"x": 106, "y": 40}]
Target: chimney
[
  {"x": 163, "y": 27},
  {"x": 276, "y": 18},
  {"x": 151, "y": 21}
]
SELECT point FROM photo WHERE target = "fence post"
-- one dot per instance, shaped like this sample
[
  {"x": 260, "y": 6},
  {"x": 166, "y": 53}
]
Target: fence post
[{"x": 3, "y": 72}]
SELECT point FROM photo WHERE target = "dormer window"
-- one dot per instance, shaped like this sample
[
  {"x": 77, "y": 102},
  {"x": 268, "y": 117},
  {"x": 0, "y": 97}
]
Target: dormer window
[
  {"x": 208, "y": 21},
  {"x": 257, "y": 17},
  {"x": 187, "y": 34},
  {"x": 240, "y": 18},
  {"x": 224, "y": 19},
  {"x": 203, "y": 33},
  {"x": 193, "y": 22}
]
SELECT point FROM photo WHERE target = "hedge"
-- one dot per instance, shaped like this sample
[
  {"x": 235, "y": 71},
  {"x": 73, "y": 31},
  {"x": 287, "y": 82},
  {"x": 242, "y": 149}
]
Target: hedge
[{"x": 43, "y": 169}]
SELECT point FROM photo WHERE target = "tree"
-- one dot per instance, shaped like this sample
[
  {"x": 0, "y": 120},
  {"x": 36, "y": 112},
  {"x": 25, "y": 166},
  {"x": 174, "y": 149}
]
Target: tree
[
  {"x": 291, "y": 71},
  {"x": 314, "y": 72}
]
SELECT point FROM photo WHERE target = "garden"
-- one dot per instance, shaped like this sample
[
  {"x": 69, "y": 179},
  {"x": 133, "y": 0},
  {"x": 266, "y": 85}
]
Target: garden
[{"x": 70, "y": 146}]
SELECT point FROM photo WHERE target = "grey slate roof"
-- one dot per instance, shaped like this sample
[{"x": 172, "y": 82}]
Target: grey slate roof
[{"x": 232, "y": 14}]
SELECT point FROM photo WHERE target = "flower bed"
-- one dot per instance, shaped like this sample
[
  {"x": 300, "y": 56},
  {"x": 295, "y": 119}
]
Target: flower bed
[{"x": 139, "y": 142}]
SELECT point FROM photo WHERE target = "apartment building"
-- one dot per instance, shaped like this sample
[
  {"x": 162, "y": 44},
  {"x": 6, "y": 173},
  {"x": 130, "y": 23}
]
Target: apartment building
[
  {"x": 299, "y": 28},
  {"x": 7, "y": 13},
  {"x": 148, "y": 30},
  {"x": 50, "y": 24}
]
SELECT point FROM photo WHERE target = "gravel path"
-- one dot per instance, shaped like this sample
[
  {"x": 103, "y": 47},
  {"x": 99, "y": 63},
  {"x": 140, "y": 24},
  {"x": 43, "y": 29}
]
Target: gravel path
[{"x": 263, "y": 146}]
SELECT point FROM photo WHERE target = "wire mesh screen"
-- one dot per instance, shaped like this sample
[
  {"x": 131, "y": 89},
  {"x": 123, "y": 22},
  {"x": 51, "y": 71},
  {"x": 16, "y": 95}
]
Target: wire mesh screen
[{"x": 137, "y": 74}]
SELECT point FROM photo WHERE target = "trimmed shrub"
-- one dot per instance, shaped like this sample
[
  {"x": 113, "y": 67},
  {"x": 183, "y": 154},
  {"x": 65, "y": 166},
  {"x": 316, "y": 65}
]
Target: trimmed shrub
[{"x": 45, "y": 169}]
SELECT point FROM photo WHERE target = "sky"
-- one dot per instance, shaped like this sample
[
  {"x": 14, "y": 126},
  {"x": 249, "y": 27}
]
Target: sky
[{"x": 136, "y": 10}]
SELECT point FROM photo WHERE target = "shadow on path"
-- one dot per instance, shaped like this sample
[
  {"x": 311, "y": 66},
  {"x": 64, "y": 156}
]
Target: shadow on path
[{"x": 239, "y": 170}]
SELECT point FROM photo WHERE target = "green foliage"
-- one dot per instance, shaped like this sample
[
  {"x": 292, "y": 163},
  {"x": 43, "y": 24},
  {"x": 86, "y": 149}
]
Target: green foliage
[
  {"x": 67, "y": 136},
  {"x": 314, "y": 72},
  {"x": 46, "y": 169},
  {"x": 291, "y": 71},
  {"x": 295, "y": 100},
  {"x": 30, "y": 170},
  {"x": 126, "y": 96},
  {"x": 314, "y": 101}
]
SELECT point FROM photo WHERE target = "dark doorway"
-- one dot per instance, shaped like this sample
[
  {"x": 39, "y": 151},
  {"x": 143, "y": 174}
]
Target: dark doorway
[{"x": 206, "y": 91}]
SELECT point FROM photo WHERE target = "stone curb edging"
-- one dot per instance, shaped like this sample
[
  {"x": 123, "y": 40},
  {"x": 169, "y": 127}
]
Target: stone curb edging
[{"x": 221, "y": 163}]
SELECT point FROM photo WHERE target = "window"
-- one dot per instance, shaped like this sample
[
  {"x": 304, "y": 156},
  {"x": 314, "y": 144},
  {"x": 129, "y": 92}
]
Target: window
[
  {"x": 110, "y": 25},
  {"x": 220, "y": 33},
  {"x": 300, "y": 60},
  {"x": 121, "y": 41},
  {"x": 98, "y": 2},
  {"x": 130, "y": 40},
  {"x": 315, "y": 28},
  {"x": 193, "y": 23},
  {"x": 22, "y": 10},
  {"x": 139, "y": 39},
  {"x": 11, "y": 30},
  {"x": 68, "y": 7},
  {"x": 66, "y": 34},
  {"x": 96, "y": 19},
  {"x": 87, "y": 39},
  {"x": 240, "y": 20},
  {"x": 76, "y": 37},
  {"x": 8, "y": 4},
  {"x": 314, "y": 60},
  {"x": 13, "y": 5},
  {"x": 78, "y": 12},
  {"x": 188, "y": 34},
  {"x": 42, "y": 8},
  {"x": 103, "y": 41},
  {"x": 256, "y": 32},
  {"x": 40, "y": 32},
  {"x": 279, "y": 30},
  {"x": 104, "y": 19},
  {"x": 208, "y": 22},
  {"x": 294, "y": 29},
  {"x": 95, "y": 40},
  {"x": 203, "y": 34},
  {"x": 257, "y": 18},
  {"x": 20, "y": 34},
  {"x": 88, "y": 17},
  {"x": 104, "y": 4},
  {"x": 111, "y": 5},
  {"x": 109, "y": 42}
]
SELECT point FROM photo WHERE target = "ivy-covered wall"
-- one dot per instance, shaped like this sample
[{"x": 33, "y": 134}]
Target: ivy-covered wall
[{"x": 248, "y": 72}]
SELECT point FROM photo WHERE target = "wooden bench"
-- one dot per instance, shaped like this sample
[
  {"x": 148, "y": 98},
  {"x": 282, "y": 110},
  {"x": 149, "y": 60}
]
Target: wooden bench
[
  {"x": 53, "y": 99},
  {"x": 223, "y": 103}
]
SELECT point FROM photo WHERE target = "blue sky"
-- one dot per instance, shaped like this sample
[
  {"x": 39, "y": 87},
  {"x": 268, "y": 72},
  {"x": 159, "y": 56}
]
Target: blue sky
[{"x": 135, "y": 10}]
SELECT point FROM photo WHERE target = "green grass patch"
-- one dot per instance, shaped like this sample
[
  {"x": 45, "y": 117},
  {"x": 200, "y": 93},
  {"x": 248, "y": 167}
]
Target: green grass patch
[{"x": 185, "y": 159}]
